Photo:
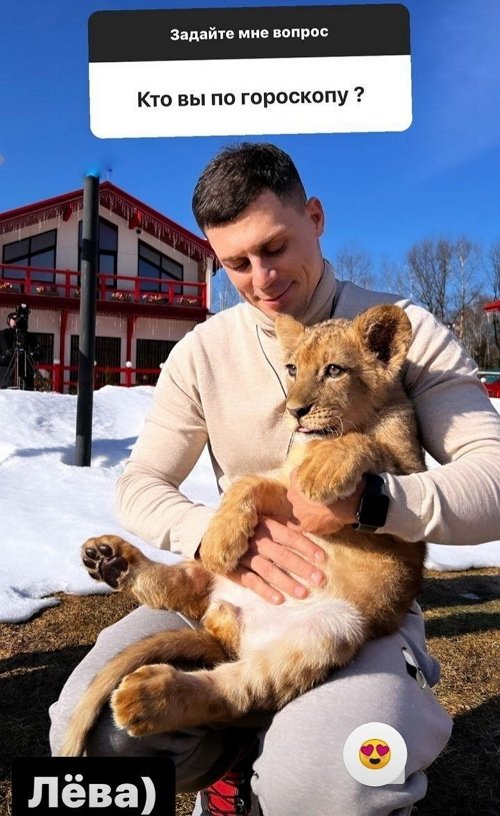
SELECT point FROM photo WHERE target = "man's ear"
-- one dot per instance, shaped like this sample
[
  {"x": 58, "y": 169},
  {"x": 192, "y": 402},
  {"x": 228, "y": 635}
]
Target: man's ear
[
  {"x": 289, "y": 332},
  {"x": 314, "y": 209},
  {"x": 386, "y": 332}
]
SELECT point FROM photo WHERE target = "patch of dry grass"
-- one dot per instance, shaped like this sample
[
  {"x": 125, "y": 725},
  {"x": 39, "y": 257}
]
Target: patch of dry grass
[{"x": 463, "y": 633}]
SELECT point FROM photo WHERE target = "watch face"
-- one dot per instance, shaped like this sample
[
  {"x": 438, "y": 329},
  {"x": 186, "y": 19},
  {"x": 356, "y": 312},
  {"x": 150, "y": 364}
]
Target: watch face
[{"x": 373, "y": 510}]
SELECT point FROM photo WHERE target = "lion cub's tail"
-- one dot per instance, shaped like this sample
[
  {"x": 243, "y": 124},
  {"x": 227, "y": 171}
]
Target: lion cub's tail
[{"x": 194, "y": 646}]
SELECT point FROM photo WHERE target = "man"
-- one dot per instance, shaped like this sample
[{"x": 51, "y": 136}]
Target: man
[
  {"x": 223, "y": 385},
  {"x": 17, "y": 373}
]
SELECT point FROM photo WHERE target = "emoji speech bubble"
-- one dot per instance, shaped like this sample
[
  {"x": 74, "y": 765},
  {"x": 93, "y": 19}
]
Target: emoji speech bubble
[{"x": 375, "y": 754}]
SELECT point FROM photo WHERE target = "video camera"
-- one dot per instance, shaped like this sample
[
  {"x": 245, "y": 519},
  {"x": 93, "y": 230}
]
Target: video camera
[{"x": 21, "y": 316}]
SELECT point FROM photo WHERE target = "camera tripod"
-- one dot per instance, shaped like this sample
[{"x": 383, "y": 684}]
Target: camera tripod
[{"x": 21, "y": 373}]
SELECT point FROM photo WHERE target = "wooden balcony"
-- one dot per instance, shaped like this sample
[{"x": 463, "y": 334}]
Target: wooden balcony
[{"x": 43, "y": 288}]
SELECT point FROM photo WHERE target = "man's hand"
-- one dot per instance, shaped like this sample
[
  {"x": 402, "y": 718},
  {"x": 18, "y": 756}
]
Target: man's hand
[
  {"x": 276, "y": 554},
  {"x": 323, "y": 519}
]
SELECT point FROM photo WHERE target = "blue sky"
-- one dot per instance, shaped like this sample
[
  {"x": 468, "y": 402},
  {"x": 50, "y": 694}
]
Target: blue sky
[{"x": 382, "y": 192}]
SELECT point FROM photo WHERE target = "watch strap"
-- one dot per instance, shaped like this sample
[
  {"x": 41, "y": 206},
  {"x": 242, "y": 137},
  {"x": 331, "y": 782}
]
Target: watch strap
[{"x": 373, "y": 506}]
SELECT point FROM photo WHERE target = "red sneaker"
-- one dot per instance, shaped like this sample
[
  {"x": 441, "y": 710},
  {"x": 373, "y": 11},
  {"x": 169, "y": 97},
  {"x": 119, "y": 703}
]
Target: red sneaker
[{"x": 229, "y": 796}]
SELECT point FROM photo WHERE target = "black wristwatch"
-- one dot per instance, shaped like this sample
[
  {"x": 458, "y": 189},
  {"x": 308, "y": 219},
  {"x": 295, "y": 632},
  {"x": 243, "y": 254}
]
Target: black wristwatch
[{"x": 374, "y": 505}]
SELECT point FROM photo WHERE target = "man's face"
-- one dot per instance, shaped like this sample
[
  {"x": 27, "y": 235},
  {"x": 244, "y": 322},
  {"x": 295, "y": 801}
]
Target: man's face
[
  {"x": 12, "y": 322},
  {"x": 271, "y": 253}
]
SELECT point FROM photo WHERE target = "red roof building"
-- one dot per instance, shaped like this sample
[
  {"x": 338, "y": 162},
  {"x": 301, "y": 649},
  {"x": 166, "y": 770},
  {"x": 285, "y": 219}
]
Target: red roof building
[{"x": 154, "y": 284}]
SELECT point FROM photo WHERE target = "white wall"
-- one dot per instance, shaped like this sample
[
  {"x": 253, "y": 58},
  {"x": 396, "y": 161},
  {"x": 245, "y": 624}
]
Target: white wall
[{"x": 156, "y": 329}]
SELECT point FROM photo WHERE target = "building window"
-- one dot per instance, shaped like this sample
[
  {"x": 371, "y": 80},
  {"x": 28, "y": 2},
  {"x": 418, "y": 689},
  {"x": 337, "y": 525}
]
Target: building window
[
  {"x": 107, "y": 261},
  {"x": 46, "y": 346},
  {"x": 107, "y": 356},
  {"x": 150, "y": 354},
  {"x": 154, "y": 264},
  {"x": 38, "y": 251}
]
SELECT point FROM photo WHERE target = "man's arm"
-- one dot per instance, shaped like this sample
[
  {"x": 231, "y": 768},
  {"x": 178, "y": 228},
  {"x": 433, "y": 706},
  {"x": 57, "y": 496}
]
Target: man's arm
[
  {"x": 459, "y": 502},
  {"x": 149, "y": 502}
]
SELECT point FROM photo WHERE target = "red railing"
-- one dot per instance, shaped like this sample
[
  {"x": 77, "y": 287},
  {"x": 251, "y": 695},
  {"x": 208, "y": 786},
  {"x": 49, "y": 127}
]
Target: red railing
[
  {"x": 61, "y": 378},
  {"x": 37, "y": 280}
]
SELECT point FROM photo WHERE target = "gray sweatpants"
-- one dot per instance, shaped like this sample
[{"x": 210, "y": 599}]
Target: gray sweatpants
[{"x": 300, "y": 769}]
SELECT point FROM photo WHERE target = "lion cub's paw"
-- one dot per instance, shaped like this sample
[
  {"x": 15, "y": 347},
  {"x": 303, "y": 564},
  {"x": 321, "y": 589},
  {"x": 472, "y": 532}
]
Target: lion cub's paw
[
  {"x": 141, "y": 704},
  {"x": 110, "y": 559},
  {"x": 326, "y": 476},
  {"x": 222, "y": 546}
]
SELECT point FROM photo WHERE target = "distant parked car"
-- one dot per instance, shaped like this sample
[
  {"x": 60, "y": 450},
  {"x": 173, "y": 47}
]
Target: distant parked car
[{"x": 491, "y": 383}]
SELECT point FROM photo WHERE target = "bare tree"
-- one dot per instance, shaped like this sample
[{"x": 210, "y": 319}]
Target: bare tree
[
  {"x": 445, "y": 278},
  {"x": 494, "y": 281},
  {"x": 464, "y": 292},
  {"x": 393, "y": 277},
  {"x": 224, "y": 293},
  {"x": 354, "y": 264},
  {"x": 494, "y": 258},
  {"x": 430, "y": 269},
  {"x": 474, "y": 332}
]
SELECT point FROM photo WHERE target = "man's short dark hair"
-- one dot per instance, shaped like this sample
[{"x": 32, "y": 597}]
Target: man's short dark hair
[{"x": 238, "y": 175}]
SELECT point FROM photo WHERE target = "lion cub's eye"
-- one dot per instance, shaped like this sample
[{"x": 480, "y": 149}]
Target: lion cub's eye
[
  {"x": 334, "y": 370},
  {"x": 292, "y": 370}
]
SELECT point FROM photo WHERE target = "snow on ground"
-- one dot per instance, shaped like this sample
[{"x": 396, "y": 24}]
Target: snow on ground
[{"x": 48, "y": 507}]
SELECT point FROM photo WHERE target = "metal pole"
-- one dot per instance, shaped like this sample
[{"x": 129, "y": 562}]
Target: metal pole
[{"x": 86, "y": 345}]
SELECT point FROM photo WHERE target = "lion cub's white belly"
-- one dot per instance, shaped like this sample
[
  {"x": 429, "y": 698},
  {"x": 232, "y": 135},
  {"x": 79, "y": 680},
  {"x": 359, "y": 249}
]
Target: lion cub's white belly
[{"x": 263, "y": 623}]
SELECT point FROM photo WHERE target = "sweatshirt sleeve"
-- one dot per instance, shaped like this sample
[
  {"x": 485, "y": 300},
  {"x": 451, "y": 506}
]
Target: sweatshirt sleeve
[
  {"x": 149, "y": 502},
  {"x": 458, "y": 502}
]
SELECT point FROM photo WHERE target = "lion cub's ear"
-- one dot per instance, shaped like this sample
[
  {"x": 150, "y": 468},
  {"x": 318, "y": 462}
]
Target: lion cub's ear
[
  {"x": 289, "y": 332},
  {"x": 386, "y": 331}
]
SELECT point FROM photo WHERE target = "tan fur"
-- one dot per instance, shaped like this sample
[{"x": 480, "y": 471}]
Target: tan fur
[{"x": 252, "y": 655}]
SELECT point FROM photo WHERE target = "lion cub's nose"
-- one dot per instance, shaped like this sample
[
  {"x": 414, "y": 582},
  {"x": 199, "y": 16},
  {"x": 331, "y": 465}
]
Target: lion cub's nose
[{"x": 300, "y": 411}]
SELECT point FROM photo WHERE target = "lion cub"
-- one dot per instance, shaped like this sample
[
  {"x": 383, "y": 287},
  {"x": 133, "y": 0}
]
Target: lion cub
[{"x": 351, "y": 417}]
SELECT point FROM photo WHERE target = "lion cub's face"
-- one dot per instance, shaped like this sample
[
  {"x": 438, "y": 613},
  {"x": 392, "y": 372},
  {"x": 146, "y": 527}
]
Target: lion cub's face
[{"x": 342, "y": 371}]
